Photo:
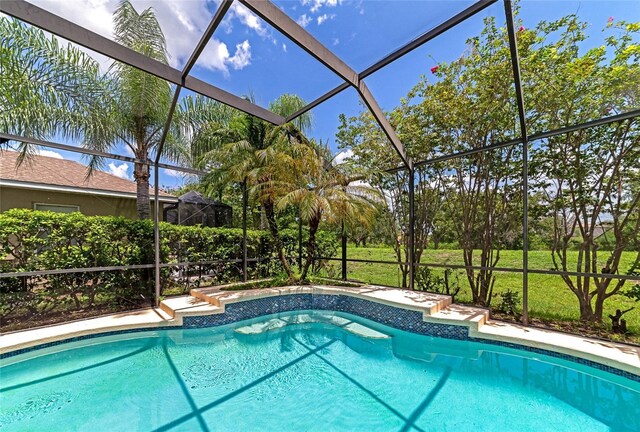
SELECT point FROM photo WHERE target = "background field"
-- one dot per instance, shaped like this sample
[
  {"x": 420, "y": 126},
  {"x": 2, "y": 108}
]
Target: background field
[{"x": 549, "y": 297}]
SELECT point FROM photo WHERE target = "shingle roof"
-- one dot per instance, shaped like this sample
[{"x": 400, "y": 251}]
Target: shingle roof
[{"x": 65, "y": 173}]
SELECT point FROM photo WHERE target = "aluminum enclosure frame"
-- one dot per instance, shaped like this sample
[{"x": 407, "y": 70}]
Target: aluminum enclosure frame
[{"x": 269, "y": 12}]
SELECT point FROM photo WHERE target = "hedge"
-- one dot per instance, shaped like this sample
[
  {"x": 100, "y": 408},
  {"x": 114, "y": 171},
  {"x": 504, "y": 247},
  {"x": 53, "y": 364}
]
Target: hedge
[{"x": 36, "y": 240}]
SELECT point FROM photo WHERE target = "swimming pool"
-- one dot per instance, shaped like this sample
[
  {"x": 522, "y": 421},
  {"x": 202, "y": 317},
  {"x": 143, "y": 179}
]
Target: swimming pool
[{"x": 306, "y": 371}]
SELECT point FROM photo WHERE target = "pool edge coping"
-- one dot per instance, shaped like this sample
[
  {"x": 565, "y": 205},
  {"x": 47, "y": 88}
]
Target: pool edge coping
[{"x": 436, "y": 309}]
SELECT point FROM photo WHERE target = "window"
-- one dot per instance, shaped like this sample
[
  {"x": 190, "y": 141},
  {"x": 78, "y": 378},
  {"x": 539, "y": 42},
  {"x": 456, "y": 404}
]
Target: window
[{"x": 58, "y": 208}]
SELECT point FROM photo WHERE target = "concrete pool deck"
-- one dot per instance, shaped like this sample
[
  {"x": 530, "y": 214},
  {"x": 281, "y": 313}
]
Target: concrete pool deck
[{"x": 435, "y": 308}]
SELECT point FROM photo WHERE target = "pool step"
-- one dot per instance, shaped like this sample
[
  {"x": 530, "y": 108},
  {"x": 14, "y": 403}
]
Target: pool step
[
  {"x": 178, "y": 307},
  {"x": 344, "y": 323},
  {"x": 436, "y": 308},
  {"x": 427, "y": 303},
  {"x": 457, "y": 314}
]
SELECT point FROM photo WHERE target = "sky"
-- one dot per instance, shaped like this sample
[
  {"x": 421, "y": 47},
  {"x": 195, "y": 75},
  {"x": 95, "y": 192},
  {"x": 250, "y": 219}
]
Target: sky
[{"x": 246, "y": 56}]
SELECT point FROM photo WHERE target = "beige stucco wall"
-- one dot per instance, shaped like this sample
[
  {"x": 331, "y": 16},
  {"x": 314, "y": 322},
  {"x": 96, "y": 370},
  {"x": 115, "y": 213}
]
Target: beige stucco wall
[{"x": 90, "y": 205}]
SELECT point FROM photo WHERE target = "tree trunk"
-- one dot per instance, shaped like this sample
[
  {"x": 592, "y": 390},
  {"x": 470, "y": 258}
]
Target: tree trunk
[
  {"x": 311, "y": 245},
  {"x": 599, "y": 310},
  {"x": 270, "y": 215},
  {"x": 141, "y": 176},
  {"x": 404, "y": 269},
  {"x": 586, "y": 311}
]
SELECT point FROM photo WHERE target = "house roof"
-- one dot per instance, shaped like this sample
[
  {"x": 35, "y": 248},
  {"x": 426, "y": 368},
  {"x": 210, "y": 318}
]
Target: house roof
[{"x": 63, "y": 175}]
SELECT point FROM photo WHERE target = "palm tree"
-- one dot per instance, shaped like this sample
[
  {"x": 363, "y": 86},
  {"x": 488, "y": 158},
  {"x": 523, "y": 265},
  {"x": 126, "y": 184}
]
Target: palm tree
[
  {"x": 204, "y": 124},
  {"x": 330, "y": 193},
  {"x": 47, "y": 88},
  {"x": 262, "y": 155},
  {"x": 140, "y": 102}
]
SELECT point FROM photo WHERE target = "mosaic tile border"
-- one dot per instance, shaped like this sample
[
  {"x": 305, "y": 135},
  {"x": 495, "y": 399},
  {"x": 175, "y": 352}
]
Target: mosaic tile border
[
  {"x": 400, "y": 318},
  {"x": 81, "y": 338},
  {"x": 397, "y": 317}
]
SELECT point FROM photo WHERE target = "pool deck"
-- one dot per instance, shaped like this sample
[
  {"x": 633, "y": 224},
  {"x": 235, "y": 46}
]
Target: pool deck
[{"x": 435, "y": 308}]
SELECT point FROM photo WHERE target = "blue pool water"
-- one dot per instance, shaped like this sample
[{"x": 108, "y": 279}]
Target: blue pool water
[{"x": 314, "y": 376}]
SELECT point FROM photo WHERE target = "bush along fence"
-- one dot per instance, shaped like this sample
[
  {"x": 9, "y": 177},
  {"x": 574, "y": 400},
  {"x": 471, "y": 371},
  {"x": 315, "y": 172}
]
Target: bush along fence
[{"x": 191, "y": 255}]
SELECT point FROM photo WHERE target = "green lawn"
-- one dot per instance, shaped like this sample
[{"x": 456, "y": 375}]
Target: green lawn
[{"x": 549, "y": 297}]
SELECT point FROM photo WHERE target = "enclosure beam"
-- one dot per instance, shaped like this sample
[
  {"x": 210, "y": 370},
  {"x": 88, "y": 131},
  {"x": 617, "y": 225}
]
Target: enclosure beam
[
  {"x": 612, "y": 276},
  {"x": 245, "y": 200},
  {"x": 223, "y": 8},
  {"x": 213, "y": 25},
  {"x": 318, "y": 101},
  {"x": 426, "y": 37},
  {"x": 380, "y": 117},
  {"x": 82, "y": 150},
  {"x": 586, "y": 125},
  {"x": 466, "y": 153},
  {"x": 275, "y": 17},
  {"x": 412, "y": 220},
  {"x": 515, "y": 63},
  {"x": 282, "y": 22},
  {"x": 156, "y": 192},
  {"x": 299, "y": 241},
  {"x": 70, "y": 31},
  {"x": 343, "y": 239},
  {"x": 400, "y": 52},
  {"x": 533, "y": 137}
]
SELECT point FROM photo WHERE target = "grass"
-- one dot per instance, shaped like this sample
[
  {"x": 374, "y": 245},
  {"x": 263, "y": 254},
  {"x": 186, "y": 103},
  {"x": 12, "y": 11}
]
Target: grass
[{"x": 549, "y": 297}]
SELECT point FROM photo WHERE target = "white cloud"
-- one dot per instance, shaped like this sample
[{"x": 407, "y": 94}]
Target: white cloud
[
  {"x": 248, "y": 18},
  {"x": 49, "y": 153},
  {"x": 120, "y": 170},
  {"x": 242, "y": 56},
  {"x": 284, "y": 47},
  {"x": 343, "y": 156},
  {"x": 325, "y": 17},
  {"x": 304, "y": 20},
  {"x": 183, "y": 23},
  {"x": 216, "y": 56},
  {"x": 318, "y": 4},
  {"x": 95, "y": 15},
  {"x": 335, "y": 41}
]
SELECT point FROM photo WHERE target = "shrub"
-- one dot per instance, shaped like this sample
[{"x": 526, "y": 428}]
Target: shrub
[
  {"x": 509, "y": 303},
  {"x": 326, "y": 246},
  {"x": 34, "y": 240},
  {"x": 449, "y": 283}
]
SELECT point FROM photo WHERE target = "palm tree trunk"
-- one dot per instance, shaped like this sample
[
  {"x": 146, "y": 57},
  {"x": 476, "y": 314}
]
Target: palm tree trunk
[
  {"x": 270, "y": 214},
  {"x": 311, "y": 245},
  {"x": 141, "y": 176}
]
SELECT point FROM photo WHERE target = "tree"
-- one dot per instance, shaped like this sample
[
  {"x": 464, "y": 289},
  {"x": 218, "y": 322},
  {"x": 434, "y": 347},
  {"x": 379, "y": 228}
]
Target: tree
[
  {"x": 262, "y": 156},
  {"x": 371, "y": 154},
  {"x": 201, "y": 122},
  {"x": 140, "y": 102},
  {"x": 50, "y": 89},
  {"x": 327, "y": 192},
  {"x": 46, "y": 88},
  {"x": 589, "y": 176},
  {"x": 468, "y": 106}
]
